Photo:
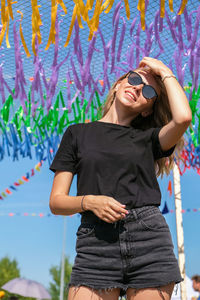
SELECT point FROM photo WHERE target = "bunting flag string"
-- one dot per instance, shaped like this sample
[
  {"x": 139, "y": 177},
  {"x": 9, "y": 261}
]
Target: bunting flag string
[
  {"x": 25, "y": 178},
  {"x": 165, "y": 210}
]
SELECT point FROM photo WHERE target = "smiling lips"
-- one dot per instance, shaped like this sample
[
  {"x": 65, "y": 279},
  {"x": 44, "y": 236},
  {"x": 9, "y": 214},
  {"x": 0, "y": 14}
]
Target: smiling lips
[{"x": 131, "y": 95}]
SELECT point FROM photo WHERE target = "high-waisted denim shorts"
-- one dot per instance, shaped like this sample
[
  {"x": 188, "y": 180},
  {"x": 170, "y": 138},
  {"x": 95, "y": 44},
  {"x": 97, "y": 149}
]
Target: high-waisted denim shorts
[{"x": 136, "y": 252}]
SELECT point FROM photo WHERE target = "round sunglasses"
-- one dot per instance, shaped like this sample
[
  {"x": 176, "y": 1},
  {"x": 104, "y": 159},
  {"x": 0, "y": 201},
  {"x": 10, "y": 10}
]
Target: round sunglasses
[{"x": 147, "y": 90}]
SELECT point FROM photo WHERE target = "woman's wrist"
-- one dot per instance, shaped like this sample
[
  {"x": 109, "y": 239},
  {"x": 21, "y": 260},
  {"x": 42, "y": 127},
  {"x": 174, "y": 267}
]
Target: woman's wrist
[
  {"x": 168, "y": 76},
  {"x": 86, "y": 202}
]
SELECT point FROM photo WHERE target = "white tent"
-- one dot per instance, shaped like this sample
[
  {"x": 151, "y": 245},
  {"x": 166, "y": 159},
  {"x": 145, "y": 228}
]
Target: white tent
[{"x": 190, "y": 292}]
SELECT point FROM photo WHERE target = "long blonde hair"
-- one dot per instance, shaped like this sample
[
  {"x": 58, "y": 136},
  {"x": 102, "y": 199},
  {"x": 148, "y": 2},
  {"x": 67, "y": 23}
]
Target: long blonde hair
[{"x": 160, "y": 116}]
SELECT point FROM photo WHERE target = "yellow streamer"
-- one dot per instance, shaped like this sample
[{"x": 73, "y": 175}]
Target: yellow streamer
[
  {"x": 162, "y": 8},
  {"x": 127, "y": 9},
  {"x": 141, "y": 8},
  {"x": 36, "y": 23},
  {"x": 5, "y": 15},
  {"x": 95, "y": 19},
  {"x": 22, "y": 36},
  {"x": 3, "y": 11},
  {"x": 62, "y": 5},
  {"x": 79, "y": 18},
  {"x": 183, "y": 5},
  {"x": 110, "y": 4},
  {"x": 52, "y": 33},
  {"x": 71, "y": 26},
  {"x": 10, "y": 8},
  {"x": 171, "y": 5}
]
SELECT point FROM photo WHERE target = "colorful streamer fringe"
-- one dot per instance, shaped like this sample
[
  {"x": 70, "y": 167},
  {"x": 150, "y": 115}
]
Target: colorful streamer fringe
[
  {"x": 117, "y": 56},
  {"x": 80, "y": 11},
  {"x": 21, "y": 133},
  {"x": 17, "y": 183}
]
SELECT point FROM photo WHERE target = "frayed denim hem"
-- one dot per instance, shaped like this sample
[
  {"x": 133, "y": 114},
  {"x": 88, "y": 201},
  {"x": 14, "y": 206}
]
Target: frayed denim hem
[
  {"x": 101, "y": 289},
  {"x": 123, "y": 290}
]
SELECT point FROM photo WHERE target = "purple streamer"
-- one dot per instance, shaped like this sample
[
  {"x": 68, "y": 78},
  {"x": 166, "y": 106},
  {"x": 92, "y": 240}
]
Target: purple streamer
[
  {"x": 181, "y": 46},
  {"x": 133, "y": 26},
  {"x": 160, "y": 24},
  {"x": 88, "y": 60},
  {"x": 131, "y": 57},
  {"x": 196, "y": 65},
  {"x": 116, "y": 11},
  {"x": 114, "y": 42},
  {"x": 171, "y": 27},
  {"x": 188, "y": 24},
  {"x": 138, "y": 45},
  {"x": 196, "y": 28},
  {"x": 121, "y": 39},
  {"x": 191, "y": 63},
  {"x": 1, "y": 86},
  {"x": 68, "y": 91},
  {"x": 157, "y": 33},
  {"x": 76, "y": 79},
  {"x": 149, "y": 40},
  {"x": 19, "y": 77},
  {"x": 178, "y": 62}
]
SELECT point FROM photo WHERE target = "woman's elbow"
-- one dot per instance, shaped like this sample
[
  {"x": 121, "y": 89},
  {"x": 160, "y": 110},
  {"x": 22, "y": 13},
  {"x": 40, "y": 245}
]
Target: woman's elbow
[{"x": 53, "y": 207}]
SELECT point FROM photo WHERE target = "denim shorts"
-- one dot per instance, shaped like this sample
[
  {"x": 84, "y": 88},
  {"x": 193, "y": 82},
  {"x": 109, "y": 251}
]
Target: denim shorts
[{"x": 136, "y": 252}]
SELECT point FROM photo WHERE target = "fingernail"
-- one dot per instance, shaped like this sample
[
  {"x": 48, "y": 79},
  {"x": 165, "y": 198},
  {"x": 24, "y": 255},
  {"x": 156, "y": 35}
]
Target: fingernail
[{"x": 127, "y": 212}]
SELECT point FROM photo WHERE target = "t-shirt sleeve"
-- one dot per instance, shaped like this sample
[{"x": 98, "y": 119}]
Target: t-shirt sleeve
[
  {"x": 65, "y": 158},
  {"x": 156, "y": 147}
]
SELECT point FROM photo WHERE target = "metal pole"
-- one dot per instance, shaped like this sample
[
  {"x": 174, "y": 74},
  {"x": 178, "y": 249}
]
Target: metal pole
[
  {"x": 62, "y": 276},
  {"x": 179, "y": 229}
]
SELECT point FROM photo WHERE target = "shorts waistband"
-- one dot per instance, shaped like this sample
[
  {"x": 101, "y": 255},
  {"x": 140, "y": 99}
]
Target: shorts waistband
[{"x": 134, "y": 213}]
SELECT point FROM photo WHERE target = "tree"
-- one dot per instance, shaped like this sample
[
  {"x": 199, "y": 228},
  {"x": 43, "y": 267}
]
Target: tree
[
  {"x": 8, "y": 270},
  {"x": 55, "y": 272}
]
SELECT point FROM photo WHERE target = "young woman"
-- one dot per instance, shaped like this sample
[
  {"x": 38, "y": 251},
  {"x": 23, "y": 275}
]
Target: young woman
[{"x": 123, "y": 243}]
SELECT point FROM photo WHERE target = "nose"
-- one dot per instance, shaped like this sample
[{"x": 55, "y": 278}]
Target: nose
[{"x": 137, "y": 88}]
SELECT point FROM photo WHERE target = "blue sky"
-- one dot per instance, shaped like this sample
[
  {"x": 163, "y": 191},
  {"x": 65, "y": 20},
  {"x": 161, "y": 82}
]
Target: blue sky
[{"x": 36, "y": 242}]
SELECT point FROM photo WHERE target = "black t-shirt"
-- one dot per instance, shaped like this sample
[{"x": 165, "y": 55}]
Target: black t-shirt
[{"x": 113, "y": 160}]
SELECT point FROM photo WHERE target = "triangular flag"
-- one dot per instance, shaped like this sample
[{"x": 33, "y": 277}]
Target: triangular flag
[
  {"x": 20, "y": 181},
  {"x": 13, "y": 188},
  {"x": 25, "y": 179},
  {"x": 165, "y": 209},
  {"x": 8, "y": 191},
  {"x": 170, "y": 187}
]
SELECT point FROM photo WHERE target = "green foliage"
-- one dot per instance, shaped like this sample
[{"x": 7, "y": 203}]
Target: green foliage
[
  {"x": 55, "y": 272},
  {"x": 8, "y": 270}
]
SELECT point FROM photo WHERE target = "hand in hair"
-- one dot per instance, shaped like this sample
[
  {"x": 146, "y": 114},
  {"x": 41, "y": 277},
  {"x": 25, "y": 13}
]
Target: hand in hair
[{"x": 157, "y": 66}]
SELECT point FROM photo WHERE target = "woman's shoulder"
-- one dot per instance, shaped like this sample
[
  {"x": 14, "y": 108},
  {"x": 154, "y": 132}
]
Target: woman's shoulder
[{"x": 77, "y": 127}]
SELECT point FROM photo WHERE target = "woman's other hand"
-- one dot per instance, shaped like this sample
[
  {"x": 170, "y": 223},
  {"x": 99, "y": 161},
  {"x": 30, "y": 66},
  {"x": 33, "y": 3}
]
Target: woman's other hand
[{"x": 106, "y": 208}]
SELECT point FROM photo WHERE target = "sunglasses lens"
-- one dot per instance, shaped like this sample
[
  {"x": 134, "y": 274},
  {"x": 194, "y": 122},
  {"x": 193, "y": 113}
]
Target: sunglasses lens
[
  {"x": 134, "y": 79},
  {"x": 148, "y": 92}
]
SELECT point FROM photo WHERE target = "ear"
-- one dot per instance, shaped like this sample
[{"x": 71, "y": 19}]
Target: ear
[{"x": 117, "y": 85}]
